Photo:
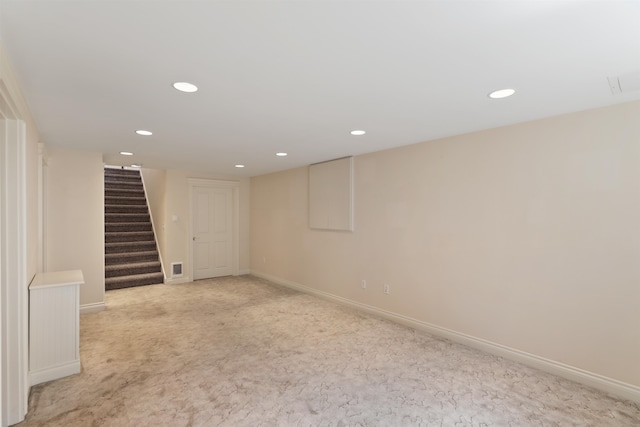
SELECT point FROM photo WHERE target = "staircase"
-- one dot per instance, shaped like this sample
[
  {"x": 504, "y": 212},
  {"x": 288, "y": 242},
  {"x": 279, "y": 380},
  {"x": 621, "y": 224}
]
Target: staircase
[{"x": 131, "y": 255}]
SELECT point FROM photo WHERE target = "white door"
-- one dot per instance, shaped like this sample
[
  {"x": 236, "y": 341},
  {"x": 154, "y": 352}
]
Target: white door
[{"x": 212, "y": 224}]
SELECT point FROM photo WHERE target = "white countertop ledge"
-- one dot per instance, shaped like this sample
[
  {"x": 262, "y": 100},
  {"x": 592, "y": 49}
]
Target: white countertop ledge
[{"x": 53, "y": 279}]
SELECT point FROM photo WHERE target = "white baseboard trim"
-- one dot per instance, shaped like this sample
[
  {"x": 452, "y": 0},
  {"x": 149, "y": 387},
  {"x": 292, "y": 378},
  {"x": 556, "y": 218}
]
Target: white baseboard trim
[
  {"x": 244, "y": 271},
  {"x": 606, "y": 384},
  {"x": 177, "y": 280},
  {"x": 53, "y": 373},
  {"x": 92, "y": 308}
]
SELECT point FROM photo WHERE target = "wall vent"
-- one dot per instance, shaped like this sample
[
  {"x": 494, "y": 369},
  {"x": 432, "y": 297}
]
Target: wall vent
[{"x": 176, "y": 269}]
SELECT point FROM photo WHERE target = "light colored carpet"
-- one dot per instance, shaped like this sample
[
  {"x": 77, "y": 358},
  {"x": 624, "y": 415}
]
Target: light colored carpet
[{"x": 240, "y": 351}]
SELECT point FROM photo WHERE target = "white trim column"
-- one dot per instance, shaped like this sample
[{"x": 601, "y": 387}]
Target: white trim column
[
  {"x": 13, "y": 278},
  {"x": 3, "y": 278}
]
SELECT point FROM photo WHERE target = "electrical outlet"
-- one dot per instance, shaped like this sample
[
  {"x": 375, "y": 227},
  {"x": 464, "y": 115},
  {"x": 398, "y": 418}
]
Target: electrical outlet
[
  {"x": 386, "y": 289},
  {"x": 364, "y": 284}
]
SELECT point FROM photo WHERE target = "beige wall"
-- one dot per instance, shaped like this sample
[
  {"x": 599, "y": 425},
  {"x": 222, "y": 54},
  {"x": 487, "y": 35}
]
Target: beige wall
[
  {"x": 75, "y": 218},
  {"x": 177, "y": 238},
  {"x": 527, "y": 236}
]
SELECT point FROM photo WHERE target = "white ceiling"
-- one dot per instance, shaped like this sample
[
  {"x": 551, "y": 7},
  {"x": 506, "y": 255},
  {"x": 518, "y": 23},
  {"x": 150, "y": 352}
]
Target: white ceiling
[{"x": 297, "y": 76}]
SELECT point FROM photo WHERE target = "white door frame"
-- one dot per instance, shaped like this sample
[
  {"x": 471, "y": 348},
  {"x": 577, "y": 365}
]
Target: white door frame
[
  {"x": 214, "y": 183},
  {"x": 14, "y": 297}
]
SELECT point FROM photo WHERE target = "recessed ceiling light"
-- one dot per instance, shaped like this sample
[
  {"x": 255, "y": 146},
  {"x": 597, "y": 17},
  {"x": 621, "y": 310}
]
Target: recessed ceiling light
[
  {"x": 502, "y": 93},
  {"x": 136, "y": 165},
  {"x": 239, "y": 166},
  {"x": 358, "y": 132},
  {"x": 185, "y": 87},
  {"x": 144, "y": 132},
  {"x": 281, "y": 154},
  {"x": 126, "y": 153}
]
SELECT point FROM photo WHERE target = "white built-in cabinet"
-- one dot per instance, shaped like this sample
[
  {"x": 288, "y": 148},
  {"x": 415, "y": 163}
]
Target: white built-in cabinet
[{"x": 54, "y": 325}]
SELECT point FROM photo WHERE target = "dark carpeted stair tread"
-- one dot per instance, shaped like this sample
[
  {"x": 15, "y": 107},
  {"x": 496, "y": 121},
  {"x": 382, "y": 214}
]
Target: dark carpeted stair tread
[
  {"x": 126, "y": 217},
  {"x": 135, "y": 264},
  {"x": 125, "y": 200},
  {"x": 110, "y": 208},
  {"x": 129, "y": 236},
  {"x": 133, "y": 246},
  {"x": 126, "y": 189},
  {"x": 137, "y": 234},
  {"x": 132, "y": 268},
  {"x": 125, "y": 257},
  {"x": 127, "y": 226},
  {"x": 142, "y": 235},
  {"x": 118, "y": 177},
  {"x": 111, "y": 174},
  {"x": 125, "y": 185},
  {"x": 123, "y": 225},
  {"x": 133, "y": 280},
  {"x": 123, "y": 192}
]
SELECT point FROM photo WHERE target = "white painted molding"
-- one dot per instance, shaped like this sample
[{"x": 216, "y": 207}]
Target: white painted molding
[
  {"x": 92, "y": 307},
  {"x": 606, "y": 384},
  {"x": 243, "y": 272},
  {"x": 177, "y": 281},
  {"x": 14, "y": 320},
  {"x": 53, "y": 373}
]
